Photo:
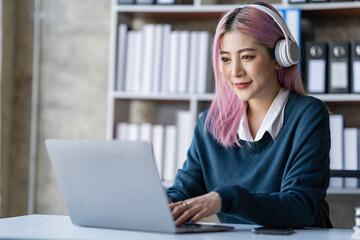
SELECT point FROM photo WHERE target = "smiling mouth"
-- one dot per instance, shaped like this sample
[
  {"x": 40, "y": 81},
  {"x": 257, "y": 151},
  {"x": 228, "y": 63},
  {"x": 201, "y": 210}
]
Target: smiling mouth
[{"x": 242, "y": 85}]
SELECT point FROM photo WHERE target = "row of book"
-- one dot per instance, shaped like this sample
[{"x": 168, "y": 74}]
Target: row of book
[
  {"x": 169, "y": 142},
  {"x": 149, "y": 2},
  {"x": 333, "y": 67},
  {"x": 159, "y": 60},
  {"x": 344, "y": 151}
]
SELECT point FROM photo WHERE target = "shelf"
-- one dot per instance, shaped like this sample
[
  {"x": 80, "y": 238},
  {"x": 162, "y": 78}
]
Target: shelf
[
  {"x": 338, "y": 97},
  {"x": 351, "y": 191},
  {"x": 164, "y": 96},
  {"x": 327, "y": 6},
  {"x": 343, "y": 97},
  {"x": 177, "y": 12},
  {"x": 180, "y": 8}
]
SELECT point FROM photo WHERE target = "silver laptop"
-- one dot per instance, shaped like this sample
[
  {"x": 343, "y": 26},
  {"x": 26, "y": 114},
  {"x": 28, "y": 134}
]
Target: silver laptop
[{"x": 114, "y": 184}]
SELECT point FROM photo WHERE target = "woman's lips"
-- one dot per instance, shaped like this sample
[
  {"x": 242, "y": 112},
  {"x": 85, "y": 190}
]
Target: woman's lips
[{"x": 242, "y": 85}]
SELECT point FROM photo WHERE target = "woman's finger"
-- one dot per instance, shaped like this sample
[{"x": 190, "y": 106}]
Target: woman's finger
[{"x": 198, "y": 216}]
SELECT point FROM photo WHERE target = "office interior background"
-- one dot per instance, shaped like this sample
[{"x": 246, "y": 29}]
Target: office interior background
[{"x": 54, "y": 84}]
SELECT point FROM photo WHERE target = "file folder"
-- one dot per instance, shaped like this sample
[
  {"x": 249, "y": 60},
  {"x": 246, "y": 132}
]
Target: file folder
[
  {"x": 338, "y": 71},
  {"x": 316, "y": 66},
  {"x": 355, "y": 67}
]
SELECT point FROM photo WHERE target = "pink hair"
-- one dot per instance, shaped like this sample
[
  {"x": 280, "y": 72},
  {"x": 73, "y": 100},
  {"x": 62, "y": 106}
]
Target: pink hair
[{"x": 226, "y": 109}]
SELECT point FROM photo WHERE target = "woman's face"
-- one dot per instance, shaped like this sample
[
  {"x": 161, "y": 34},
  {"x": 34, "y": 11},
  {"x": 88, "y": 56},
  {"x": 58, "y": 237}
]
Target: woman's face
[{"x": 247, "y": 66}]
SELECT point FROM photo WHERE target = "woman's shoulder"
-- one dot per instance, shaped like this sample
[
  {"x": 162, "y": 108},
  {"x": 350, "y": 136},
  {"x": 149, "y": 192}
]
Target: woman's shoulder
[{"x": 306, "y": 103}]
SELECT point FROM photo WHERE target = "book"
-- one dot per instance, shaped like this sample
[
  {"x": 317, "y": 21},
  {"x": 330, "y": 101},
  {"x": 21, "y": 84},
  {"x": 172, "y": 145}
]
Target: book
[
  {"x": 121, "y": 57},
  {"x": 148, "y": 32},
  {"x": 158, "y": 147},
  {"x": 165, "y": 59},
  {"x": 184, "y": 136},
  {"x": 146, "y": 132},
  {"x": 203, "y": 52},
  {"x": 193, "y": 61},
  {"x": 183, "y": 75},
  {"x": 138, "y": 62},
  {"x": 174, "y": 62},
  {"x": 121, "y": 131},
  {"x": 130, "y": 61},
  {"x": 351, "y": 154},
  {"x": 337, "y": 148},
  {"x": 133, "y": 132},
  {"x": 158, "y": 55},
  {"x": 170, "y": 153}
]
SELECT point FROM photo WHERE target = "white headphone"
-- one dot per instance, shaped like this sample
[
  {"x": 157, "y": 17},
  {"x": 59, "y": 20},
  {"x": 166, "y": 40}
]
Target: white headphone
[{"x": 286, "y": 50}]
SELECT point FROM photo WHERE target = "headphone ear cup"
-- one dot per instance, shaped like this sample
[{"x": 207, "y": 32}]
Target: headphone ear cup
[{"x": 281, "y": 55}]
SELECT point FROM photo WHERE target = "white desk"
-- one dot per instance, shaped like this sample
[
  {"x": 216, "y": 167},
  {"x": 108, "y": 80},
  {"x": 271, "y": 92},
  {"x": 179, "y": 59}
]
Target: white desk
[{"x": 60, "y": 227}]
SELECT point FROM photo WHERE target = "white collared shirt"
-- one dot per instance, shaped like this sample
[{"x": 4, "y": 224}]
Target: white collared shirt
[{"x": 273, "y": 121}]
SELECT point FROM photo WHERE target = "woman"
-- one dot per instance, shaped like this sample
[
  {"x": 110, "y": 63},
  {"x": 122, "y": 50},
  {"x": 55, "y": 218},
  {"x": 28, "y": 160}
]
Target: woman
[{"x": 260, "y": 154}]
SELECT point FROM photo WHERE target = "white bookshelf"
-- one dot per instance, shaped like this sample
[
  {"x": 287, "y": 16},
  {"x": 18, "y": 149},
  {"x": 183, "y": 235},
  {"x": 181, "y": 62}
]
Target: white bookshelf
[
  {"x": 198, "y": 10},
  {"x": 327, "y": 6}
]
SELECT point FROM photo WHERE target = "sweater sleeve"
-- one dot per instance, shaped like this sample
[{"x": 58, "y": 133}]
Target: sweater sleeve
[
  {"x": 304, "y": 181},
  {"x": 189, "y": 181}
]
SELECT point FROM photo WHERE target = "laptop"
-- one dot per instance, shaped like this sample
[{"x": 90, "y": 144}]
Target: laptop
[{"x": 115, "y": 184}]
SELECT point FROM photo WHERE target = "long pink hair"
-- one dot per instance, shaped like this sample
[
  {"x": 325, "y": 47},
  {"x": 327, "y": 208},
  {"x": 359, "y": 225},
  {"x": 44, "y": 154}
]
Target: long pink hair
[{"x": 226, "y": 109}]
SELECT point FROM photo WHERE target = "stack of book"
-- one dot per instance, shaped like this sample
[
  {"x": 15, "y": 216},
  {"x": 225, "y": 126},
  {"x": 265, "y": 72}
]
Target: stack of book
[
  {"x": 169, "y": 142},
  {"x": 159, "y": 60},
  {"x": 344, "y": 152}
]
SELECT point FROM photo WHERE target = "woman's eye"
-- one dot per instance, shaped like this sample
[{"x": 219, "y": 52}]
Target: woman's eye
[
  {"x": 247, "y": 57},
  {"x": 225, "y": 59}
]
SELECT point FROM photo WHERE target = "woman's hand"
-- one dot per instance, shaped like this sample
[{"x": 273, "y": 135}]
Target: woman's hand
[{"x": 196, "y": 208}]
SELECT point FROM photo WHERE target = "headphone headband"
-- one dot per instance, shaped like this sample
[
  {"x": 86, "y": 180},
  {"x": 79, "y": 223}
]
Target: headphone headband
[{"x": 280, "y": 22}]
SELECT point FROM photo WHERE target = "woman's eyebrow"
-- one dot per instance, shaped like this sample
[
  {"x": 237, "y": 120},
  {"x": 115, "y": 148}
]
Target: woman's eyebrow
[{"x": 239, "y": 51}]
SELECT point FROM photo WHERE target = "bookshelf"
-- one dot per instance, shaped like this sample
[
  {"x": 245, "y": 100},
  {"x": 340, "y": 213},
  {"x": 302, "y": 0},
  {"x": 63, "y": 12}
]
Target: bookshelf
[{"x": 200, "y": 13}]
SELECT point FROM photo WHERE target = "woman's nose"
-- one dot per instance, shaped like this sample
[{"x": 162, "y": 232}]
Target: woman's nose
[{"x": 237, "y": 70}]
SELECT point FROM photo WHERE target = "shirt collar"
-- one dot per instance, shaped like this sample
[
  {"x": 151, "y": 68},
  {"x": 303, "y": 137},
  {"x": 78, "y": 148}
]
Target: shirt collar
[{"x": 273, "y": 121}]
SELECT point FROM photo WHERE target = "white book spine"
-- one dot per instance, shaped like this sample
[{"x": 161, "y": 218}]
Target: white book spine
[
  {"x": 158, "y": 147},
  {"x": 203, "y": 61},
  {"x": 130, "y": 61},
  {"x": 138, "y": 62},
  {"x": 184, "y": 126},
  {"x": 148, "y": 58},
  {"x": 121, "y": 57},
  {"x": 166, "y": 58},
  {"x": 351, "y": 144},
  {"x": 133, "y": 132},
  {"x": 183, "y": 61},
  {"x": 170, "y": 152},
  {"x": 174, "y": 61},
  {"x": 158, "y": 54},
  {"x": 121, "y": 131},
  {"x": 146, "y": 132},
  {"x": 193, "y": 61},
  {"x": 337, "y": 148}
]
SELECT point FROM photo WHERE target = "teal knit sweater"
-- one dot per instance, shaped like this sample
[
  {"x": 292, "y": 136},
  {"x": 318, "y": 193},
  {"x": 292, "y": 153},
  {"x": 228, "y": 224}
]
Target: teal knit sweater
[{"x": 272, "y": 183}]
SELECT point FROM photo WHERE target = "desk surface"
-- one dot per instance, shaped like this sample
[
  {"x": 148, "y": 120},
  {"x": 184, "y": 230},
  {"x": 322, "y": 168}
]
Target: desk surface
[{"x": 60, "y": 227}]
